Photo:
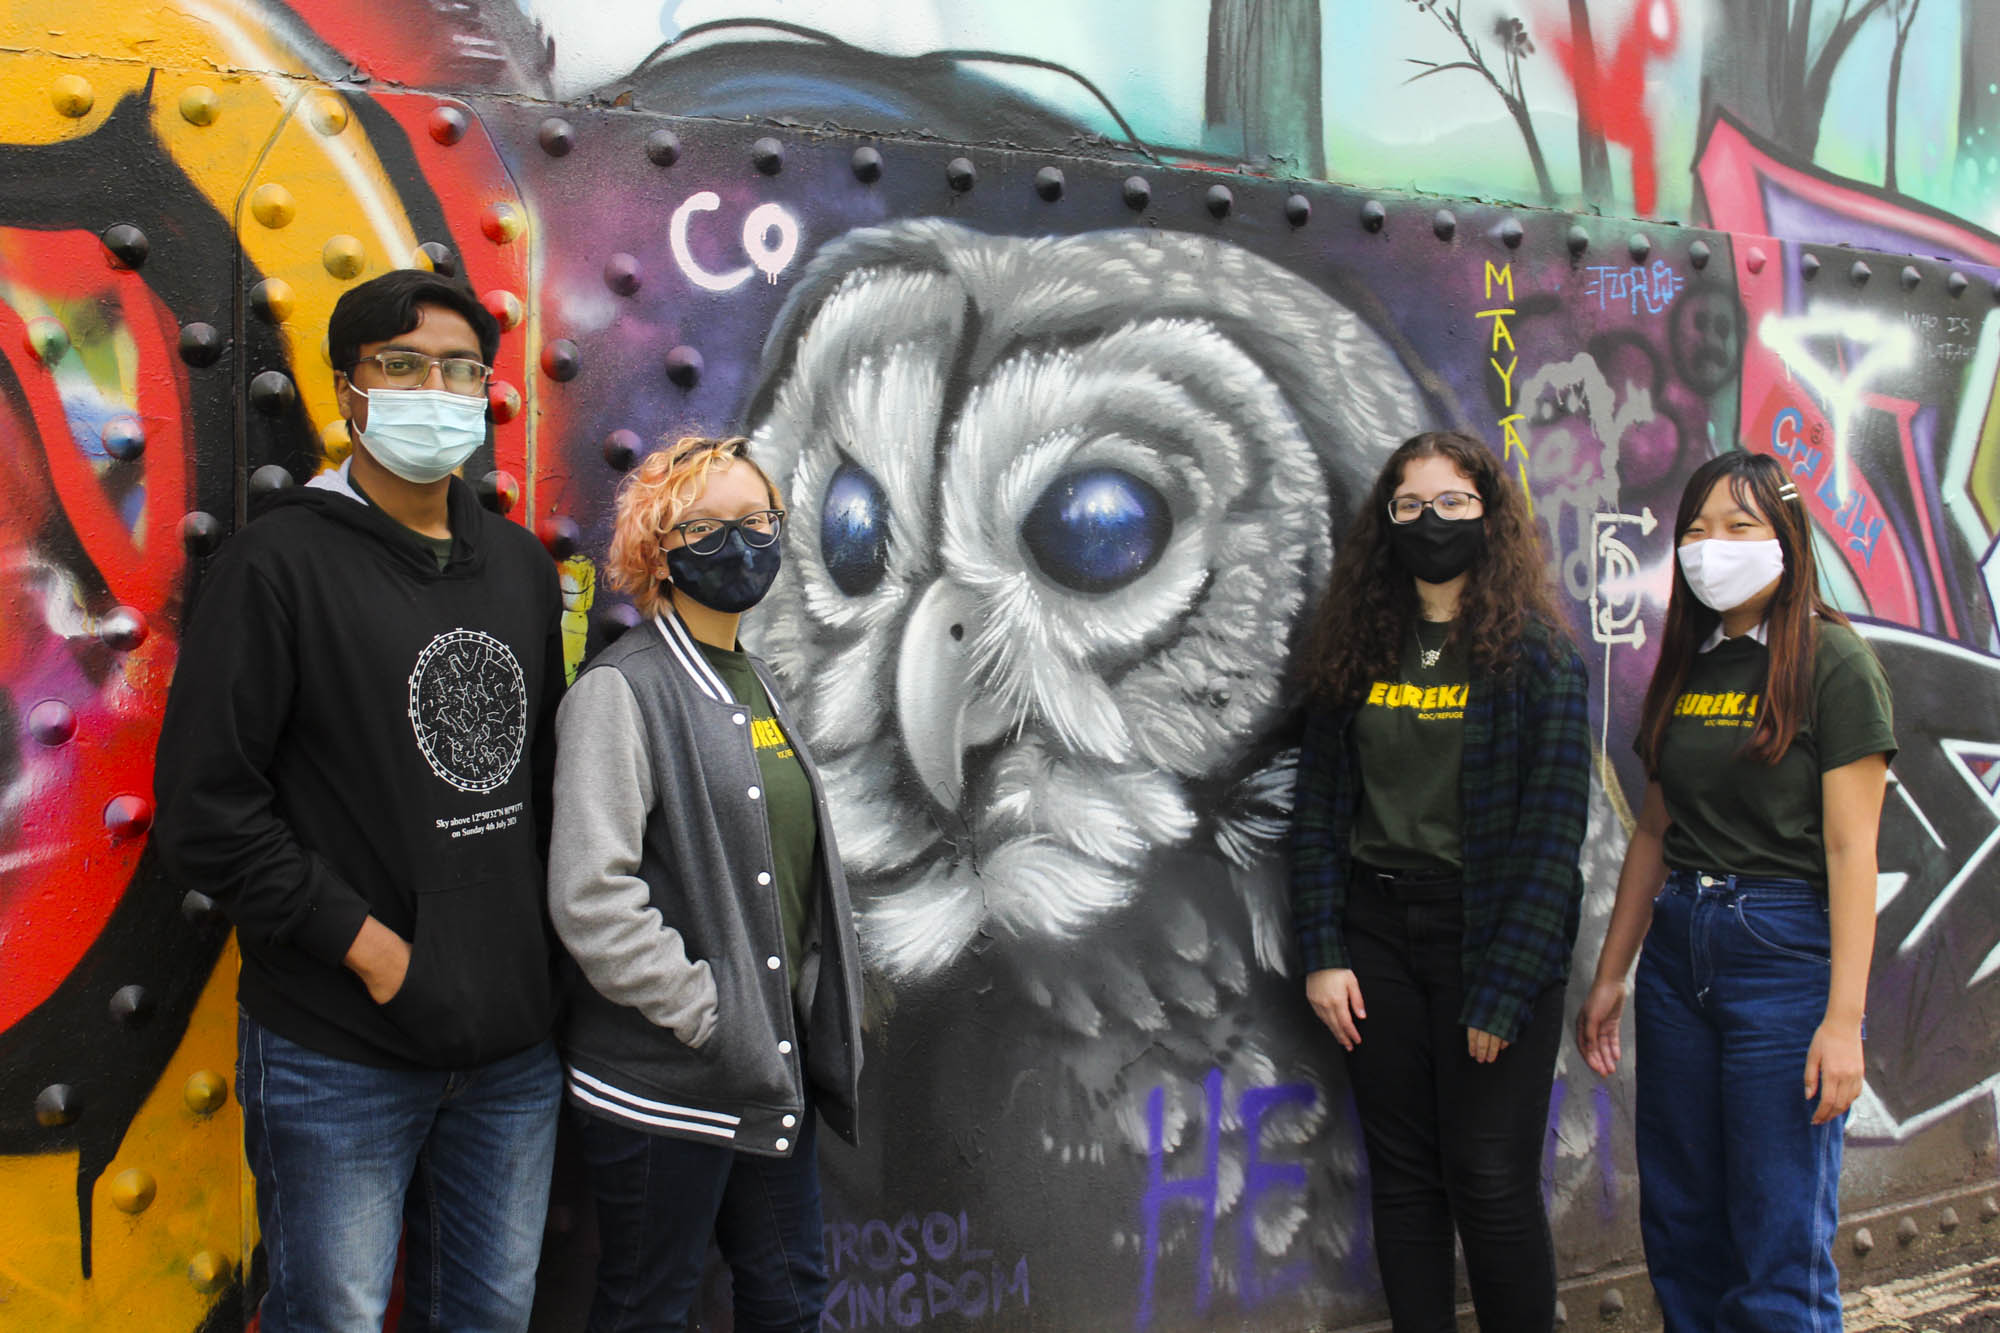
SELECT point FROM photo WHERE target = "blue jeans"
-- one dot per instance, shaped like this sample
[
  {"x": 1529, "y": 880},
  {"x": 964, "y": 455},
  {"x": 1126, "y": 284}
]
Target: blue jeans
[
  {"x": 659, "y": 1199},
  {"x": 346, "y": 1155},
  {"x": 1739, "y": 1192}
]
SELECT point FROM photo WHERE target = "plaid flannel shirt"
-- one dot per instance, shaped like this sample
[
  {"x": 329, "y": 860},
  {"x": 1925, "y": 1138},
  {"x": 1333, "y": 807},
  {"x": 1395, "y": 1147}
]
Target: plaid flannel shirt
[{"x": 1524, "y": 795}]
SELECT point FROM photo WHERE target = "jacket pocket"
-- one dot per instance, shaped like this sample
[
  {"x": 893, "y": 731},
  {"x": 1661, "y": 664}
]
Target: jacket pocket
[{"x": 478, "y": 984}]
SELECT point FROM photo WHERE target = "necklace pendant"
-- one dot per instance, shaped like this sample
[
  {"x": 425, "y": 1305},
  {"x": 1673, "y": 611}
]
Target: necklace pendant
[{"x": 1431, "y": 656}]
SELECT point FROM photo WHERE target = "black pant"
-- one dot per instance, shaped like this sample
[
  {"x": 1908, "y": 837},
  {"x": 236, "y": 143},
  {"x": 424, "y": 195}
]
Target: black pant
[{"x": 1449, "y": 1140}]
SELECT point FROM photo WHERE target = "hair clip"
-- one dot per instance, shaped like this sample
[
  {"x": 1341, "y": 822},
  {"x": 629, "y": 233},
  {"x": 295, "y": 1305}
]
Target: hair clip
[{"x": 1788, "y": 491}]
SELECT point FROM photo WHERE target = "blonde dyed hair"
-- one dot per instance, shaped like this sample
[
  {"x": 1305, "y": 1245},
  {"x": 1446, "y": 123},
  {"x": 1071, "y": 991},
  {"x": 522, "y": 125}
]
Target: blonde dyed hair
[{"x": 653, "y": 497}]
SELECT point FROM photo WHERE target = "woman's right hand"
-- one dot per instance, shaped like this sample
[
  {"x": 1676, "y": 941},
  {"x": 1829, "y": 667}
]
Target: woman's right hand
[
  {"x": 1597, "y": 1026},
  {"x": 1335, "y": 995}
]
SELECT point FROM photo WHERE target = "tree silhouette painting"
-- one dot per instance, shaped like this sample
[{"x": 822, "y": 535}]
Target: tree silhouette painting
[{"x": 1511, "y": 35}]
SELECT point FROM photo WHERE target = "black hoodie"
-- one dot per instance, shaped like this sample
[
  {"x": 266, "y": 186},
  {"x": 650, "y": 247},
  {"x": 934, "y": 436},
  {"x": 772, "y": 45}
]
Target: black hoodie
[{"x": 353, "y": 732}]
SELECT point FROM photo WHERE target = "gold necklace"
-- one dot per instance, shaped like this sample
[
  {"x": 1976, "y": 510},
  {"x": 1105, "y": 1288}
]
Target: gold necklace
[{"x": 1430, "y": 655}]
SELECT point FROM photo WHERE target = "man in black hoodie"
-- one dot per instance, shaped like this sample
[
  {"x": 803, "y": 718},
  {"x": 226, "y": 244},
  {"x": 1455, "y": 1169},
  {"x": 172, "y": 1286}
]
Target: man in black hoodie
[{"x": 355, "y": 763}]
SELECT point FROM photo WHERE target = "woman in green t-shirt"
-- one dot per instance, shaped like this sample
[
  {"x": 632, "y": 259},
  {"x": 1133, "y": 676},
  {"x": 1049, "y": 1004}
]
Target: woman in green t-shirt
[
  {"x": 1443, "y": 788},
  {"x": 1751, "y": 878}
]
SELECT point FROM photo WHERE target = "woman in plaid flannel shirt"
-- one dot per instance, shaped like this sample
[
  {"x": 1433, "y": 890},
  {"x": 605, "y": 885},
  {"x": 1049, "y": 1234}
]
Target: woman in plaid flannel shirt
[{"x": 1442, "y": 793}]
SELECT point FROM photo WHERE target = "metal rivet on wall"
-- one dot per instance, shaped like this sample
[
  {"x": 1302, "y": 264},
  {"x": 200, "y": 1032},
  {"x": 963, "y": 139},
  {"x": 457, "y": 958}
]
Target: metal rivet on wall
[
  {"x": 505, "y": 307},
  {"x": 1298, "y": 210},
  {"x": 342, "y": 257},
  {"x": 960, "y": 174},
  {"x": 1562, "y": 1315},
  {"x": 1809, "y": 267},
  {"x": 1049, "y": 183},
  {"x": 1910, "y": 277},
  {"x": 273, "y": 206},
  {"x": 1863, "y": 1241},
  {"x": 327, "y": 112},
  {"x": 663, "y": 148},
  {"x": 205, "y": 1092},
  {"x": 768, "y": 156},
  {"x": 1137, "y": 192},
  {"x": 125, "y": 245},
  {"x": 199, "y": 105},
  {"x": 269, "y": 478},
  {"x": 128, "y": 816},
  {"x": 501, "y": 223},
  {"x": 1639, "y": 246},
  {"x": 198, "y": 909},
  {"x": 1577, "y": 239},
  {"x": 448, "y": 124},
  {"x": 132, "y": 1191},
  {"x": 1373, "y": 215},
  {"x": 209, "y": 1271},
  {"x": 122, "y": 629},
  {"x": 621, "y": 449},
  {"x": 52, "y": 722},
  {"x": 1510, "y": 232},
  {"x": 557, "y": 136},
  {"x": 1699, "y": 254},
  {"x": 1611, "y": 1304},
  {"x": 124, "y": 438},
  {"x": 1444, "y": 224},
  {"x": 1948, "y": 1220},
  {"x": 560, "y": 535},
  {"x": 1956, "y": 284},
  {"x": 201, "y": 345},
  {"x": 1907, "y": 1229},
  {"x": 57, "y": 1104},
  {"x": 1220, "y": 200},
  {"x": 1753, "y": 260},
  {"x": 1989, "y": 1208},
  {"x": 273, "y": 300},
  {"x": 200, "y": 533},
  {"x": 621, "y": 274},
  {"x": 499, "y": 491},
  {"x": 131, "y": 1005},
  {"x": 271, "y": 392},
  {"x": 1858, "y": 273},
  {"x": 561, "y": 361},
  {"x": 866, "y": 164},
  {"x": 438, "y": 258},
  {"x": 684, "y": 366},
  {"x": 72, "y": 96},
  {"x": 503, "y": 402}
]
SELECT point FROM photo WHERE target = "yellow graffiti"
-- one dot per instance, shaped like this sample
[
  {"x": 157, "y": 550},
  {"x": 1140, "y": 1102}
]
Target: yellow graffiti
[
  {"x": 1512, "y": 446},
  {"x": 578, "y": 578}
]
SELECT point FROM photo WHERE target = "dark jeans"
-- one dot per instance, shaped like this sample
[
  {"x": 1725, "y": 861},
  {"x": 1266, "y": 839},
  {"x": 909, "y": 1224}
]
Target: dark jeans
[
  {"x": 659, "y": 1200},
  {"x": 1451, "y": 1142},
  {"x": 1739, "y": 1192}
]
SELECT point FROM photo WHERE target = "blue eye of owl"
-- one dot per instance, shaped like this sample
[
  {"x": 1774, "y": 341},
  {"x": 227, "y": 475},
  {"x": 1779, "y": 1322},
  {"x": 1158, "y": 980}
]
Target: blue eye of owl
[
  {"x": 854, "y": 530},
  {"x": 1098, "y": 529}
]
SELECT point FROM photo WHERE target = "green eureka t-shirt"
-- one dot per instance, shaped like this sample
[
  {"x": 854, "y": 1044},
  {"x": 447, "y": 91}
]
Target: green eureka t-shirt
[
  {"x": 1409, "y": 741},
  {"x": 788, "y": 804},
  {"x": 1732, "y": 813}
]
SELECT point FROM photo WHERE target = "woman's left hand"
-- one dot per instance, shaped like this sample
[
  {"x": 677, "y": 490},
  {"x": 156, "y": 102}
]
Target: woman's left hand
[
  {"x": 1834, "y": 1068},
  {"x": 1484, "y": 1046}
]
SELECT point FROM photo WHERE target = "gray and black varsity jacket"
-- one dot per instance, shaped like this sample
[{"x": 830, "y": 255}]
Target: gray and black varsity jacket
[{"x": 680, "y": 1018}]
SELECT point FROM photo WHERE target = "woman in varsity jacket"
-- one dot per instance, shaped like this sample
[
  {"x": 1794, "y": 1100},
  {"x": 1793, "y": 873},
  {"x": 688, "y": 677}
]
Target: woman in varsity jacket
[
  {"x": 1767, "y": 735},
  {"x": 714, "y": 1021},
  {"x": 1443, "y": 786}
]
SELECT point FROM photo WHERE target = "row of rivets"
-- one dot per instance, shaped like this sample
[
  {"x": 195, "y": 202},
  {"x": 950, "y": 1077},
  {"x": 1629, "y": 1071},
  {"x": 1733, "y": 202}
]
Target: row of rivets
[{"x": 59, "y": 1104}]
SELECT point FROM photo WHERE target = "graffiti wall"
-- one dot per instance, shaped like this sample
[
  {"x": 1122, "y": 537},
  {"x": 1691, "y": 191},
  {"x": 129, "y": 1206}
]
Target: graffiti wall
[{"x": 1071, "y": 360}]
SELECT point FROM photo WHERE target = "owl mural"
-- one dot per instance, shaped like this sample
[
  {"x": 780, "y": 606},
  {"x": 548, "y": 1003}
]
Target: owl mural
[{"x": 1059, "y": 510}]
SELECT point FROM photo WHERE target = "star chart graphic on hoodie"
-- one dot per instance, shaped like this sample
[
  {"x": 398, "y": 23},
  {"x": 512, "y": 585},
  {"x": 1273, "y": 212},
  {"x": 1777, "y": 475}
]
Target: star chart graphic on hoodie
[{"x": 469, "y": 709}]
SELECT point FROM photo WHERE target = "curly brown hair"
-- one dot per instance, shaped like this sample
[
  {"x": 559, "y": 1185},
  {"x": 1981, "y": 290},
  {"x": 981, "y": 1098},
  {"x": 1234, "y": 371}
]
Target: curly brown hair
[{"x": 1371, "y": 602}]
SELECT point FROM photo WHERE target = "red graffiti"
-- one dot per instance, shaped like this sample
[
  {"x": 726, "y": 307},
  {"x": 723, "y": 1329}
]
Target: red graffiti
[{"x": 1611, "y": 98}]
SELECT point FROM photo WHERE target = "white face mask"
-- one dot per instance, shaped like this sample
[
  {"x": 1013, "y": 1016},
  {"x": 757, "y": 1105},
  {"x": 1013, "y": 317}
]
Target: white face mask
[
  {"x": 1726, "y": 574},
  {"x": 423, "y": 435}
]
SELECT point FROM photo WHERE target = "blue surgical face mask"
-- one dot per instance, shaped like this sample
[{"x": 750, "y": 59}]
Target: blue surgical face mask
[
  {"x": 423, "y": 435},
  {"x": 731, "y": 580}
]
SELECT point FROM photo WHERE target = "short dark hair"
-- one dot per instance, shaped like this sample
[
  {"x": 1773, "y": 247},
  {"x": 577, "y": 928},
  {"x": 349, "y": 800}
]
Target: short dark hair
[{"x": 387, "y": 307}]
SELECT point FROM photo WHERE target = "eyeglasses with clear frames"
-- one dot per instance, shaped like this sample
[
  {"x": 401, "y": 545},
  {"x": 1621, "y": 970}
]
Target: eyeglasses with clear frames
[
  {"x": 705, "y": 536},
  {"x": 1452, "y": 505},
  {"x": 409, "y": 370}
]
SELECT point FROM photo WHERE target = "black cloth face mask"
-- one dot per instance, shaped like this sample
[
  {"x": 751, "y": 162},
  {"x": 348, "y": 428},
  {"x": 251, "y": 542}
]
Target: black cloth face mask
[
  {"x": 1438, "y": 550},
  {"x": 730, "y": 580}
]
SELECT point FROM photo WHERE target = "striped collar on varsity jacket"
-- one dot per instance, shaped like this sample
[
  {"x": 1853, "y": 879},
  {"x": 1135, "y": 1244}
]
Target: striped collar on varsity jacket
[{"x": 686, "y": 651}]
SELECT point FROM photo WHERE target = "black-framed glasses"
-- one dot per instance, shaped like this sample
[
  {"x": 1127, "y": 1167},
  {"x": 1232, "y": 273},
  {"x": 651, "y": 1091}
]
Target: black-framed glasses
[
  {"x": 1453, "y": 505},
  {"x": 409, "y": 370},
  {"x": 705, "y": 536}
]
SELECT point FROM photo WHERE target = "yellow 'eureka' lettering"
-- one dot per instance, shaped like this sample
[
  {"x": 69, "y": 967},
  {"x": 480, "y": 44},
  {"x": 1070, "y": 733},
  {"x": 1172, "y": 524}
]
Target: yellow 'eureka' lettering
[
  {"x": 1377, "y": 693},
  {"x": 1728, "y": 703},
  {"x": 1423, "y": 698}
]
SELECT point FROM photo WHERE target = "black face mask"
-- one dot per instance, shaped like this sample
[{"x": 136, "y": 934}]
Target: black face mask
[
  {"x": 732, "y": 579},
  {"x": 1438, "y": 550}
]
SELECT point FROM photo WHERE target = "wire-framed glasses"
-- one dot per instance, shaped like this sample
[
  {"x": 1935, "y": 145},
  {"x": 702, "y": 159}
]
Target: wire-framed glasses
[
  {"x": 705, "y": 536},
  {"x": 409, "y": 370},
  {"x": 1453, "y": 505}
]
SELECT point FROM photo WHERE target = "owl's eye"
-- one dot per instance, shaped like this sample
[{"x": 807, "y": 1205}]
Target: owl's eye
[
  {"x": 854, "y": 530},
  {"x": 1098, "y": 529}
]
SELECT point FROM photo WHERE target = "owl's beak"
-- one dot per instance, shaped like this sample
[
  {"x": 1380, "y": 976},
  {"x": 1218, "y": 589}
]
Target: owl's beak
[{"x": 938, "y": 702}]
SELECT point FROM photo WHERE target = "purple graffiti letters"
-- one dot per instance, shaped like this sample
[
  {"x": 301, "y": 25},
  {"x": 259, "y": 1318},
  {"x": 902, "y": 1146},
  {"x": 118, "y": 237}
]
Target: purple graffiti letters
[{"x": 941, "y": 1272}]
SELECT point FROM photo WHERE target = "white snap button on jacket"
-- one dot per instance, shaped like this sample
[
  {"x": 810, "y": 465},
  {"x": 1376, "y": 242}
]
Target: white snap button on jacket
[
  {"x": 784, "y": 1048},
  {"x": 772, "y": 962},
  {"x": 763, "y": 877},
  {"x": 737, "y": 719},
  {"x": 755, "y": 792},
  {"x": 791, "y": 1120},
  {"x": 784, "y": 1144}
]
